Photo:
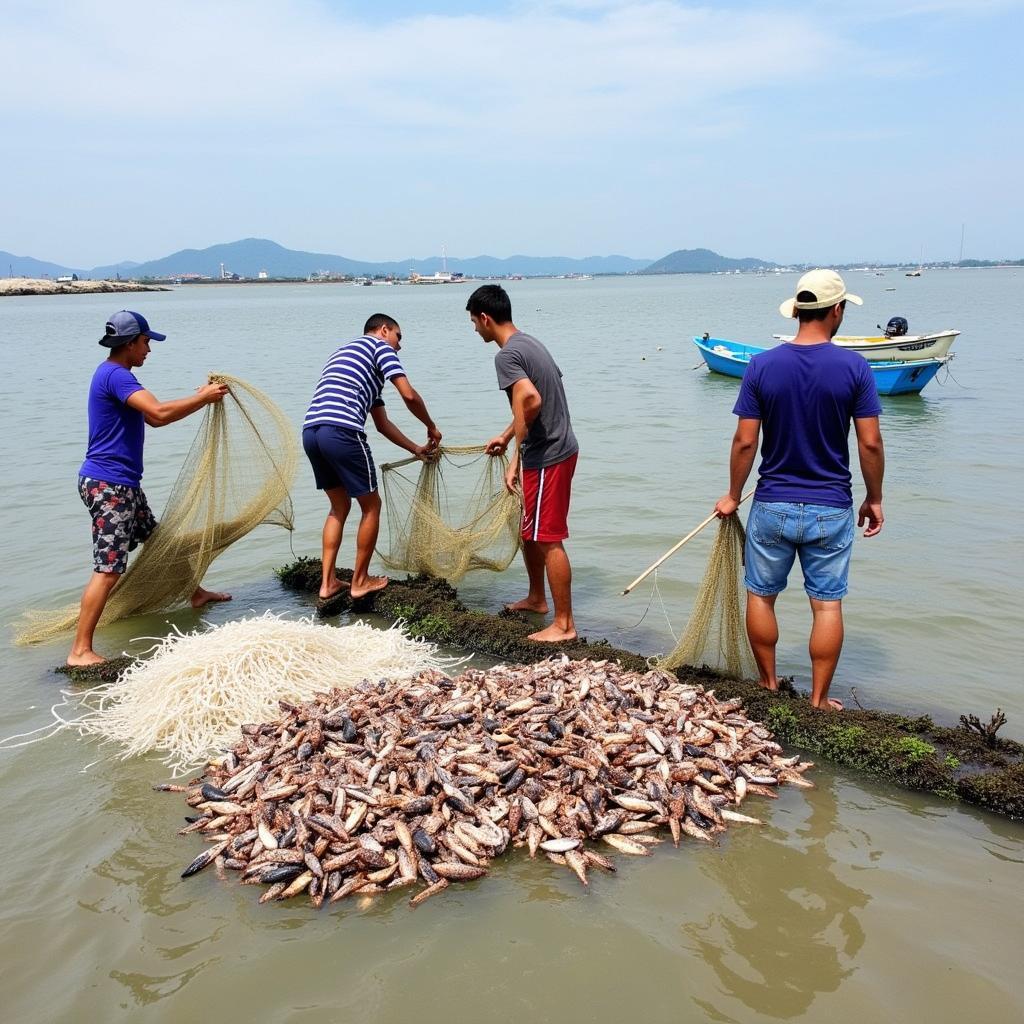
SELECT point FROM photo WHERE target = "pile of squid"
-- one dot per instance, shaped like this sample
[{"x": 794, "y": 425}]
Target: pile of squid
[{"x": 424, "y": 782}]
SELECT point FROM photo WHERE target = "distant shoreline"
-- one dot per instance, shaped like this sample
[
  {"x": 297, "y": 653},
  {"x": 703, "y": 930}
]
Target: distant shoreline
[{"x": 42, "y": 286}]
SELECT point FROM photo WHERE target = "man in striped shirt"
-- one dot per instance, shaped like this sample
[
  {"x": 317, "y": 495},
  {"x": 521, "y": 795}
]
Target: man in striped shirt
[{"x": 334, "y": 437}]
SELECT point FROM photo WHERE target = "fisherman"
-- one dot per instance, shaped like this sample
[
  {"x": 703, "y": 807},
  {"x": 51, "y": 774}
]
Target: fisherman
[
  {"x": 543, "y": 465},
  {"x": 804, "y": 394},
  {"x": 334, "y": 437},
  {"x": 110, "y": 479}
]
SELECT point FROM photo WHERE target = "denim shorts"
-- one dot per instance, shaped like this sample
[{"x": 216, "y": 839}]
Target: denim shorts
[{"x": 779, "y": 531}]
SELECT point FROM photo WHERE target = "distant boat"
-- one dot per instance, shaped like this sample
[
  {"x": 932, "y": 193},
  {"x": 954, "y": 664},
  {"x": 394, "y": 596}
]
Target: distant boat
[
  {"x": 912, "y": 273},
  {"x": 891, "y": 378},
  {"x": 906, "y": 348}
]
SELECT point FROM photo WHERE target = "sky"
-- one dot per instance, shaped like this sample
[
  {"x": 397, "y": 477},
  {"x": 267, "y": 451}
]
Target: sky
[{"x": 813, "y": 132}]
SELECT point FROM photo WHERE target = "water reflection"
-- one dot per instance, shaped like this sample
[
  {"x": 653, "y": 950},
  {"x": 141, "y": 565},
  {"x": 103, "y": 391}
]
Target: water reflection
[{"x": 793, "y": 931}]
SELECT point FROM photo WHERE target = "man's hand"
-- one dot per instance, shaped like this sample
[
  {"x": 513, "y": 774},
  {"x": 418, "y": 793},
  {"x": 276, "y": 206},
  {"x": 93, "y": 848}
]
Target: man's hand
[
  {"x": 433, "y": 437},
  {"x": 497, "y": 445},
  {"x": 871, "y": 513},
  {"x": 725, "y": 506},
  {"x": 512, "y": 477},
  {"x": 211, "y": 393},
  {"x": 426, "y": 453}
]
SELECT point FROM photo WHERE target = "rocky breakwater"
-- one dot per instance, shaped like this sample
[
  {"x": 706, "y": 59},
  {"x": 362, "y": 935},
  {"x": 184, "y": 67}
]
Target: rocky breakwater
[{"x": 47, "y": 286}]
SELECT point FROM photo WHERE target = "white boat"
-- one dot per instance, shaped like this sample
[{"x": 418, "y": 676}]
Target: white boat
[{"x": 906, "y": 347}]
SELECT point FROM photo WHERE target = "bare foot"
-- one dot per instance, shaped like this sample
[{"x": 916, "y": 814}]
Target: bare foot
[
  {"x": 339, "y": 586},
  {"x": 373, "y": 584},
  {"x": 526, "y": 605},
  {"x": 202, "y": 597},
  {"x": 831, "y": 704},
  {"x": 773, "y": 685},
  {"x": 84, "y": 659},
  {"x": 553, "y": 634}
]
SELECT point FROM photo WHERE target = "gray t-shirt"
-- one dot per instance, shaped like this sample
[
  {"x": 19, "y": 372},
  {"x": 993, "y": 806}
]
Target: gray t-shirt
[{"x": 550, "y": 438}]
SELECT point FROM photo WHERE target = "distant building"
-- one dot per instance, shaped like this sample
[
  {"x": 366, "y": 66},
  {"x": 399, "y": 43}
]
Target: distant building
[{"x": 263, "y": 275}]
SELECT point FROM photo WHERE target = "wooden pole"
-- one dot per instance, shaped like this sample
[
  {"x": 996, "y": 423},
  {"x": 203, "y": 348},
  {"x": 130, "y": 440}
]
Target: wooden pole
[{"x": 675, "y": 547}]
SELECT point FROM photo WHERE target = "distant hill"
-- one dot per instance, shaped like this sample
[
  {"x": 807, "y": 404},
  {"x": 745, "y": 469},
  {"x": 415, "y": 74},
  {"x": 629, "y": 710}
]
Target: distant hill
[
  {"x": 702, "y": 261},
  {"x": 27, "y": 266},
  {"x": 249, "y": 256}
]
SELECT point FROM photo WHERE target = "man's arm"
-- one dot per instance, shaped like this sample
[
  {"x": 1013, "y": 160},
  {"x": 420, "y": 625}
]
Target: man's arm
[
  {"x": 872, "y": 467},
  {"x": 526, "y": 402},
  {"x": 418, "y": 408},
  {"x": 392, "y": 432},
  {"x": 159, "y": 414},
  {"x": 741, "y": 461}
]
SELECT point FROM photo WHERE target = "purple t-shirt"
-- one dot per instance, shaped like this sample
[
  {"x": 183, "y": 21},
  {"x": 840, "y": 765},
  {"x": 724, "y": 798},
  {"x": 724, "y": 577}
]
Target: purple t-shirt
[
  {"x": 116, "y": 430},
  {"x": 805, "y": 397}
]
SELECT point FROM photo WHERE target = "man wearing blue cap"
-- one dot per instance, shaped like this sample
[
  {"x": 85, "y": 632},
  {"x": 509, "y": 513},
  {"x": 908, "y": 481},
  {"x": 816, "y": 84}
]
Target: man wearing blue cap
[{"x": 110, "y": 480}]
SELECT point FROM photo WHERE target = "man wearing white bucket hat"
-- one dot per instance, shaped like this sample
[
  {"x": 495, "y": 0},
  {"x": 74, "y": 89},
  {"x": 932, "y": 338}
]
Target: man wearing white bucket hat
[{"x": 804, "y": 394}]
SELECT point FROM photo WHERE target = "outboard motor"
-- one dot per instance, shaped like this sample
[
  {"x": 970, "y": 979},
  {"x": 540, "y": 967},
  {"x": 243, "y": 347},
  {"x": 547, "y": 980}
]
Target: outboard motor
[{"x": 896, "y": 327}]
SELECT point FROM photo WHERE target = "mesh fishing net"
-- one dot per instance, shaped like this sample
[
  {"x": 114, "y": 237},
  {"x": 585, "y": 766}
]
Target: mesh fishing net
[
  {"x": 236, "y": 476},
  {"x": 447, "y": 534},
  {"x": 715, "y": 634}
]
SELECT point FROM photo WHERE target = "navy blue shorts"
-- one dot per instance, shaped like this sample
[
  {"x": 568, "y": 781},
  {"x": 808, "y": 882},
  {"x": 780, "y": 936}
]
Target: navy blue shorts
[{"x": 340, "y": 458}]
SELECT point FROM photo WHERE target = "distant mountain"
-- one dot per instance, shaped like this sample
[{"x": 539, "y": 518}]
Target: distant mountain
[
  {"x": 127, "y": 268},
  {"x": 26, "y": 266},
  {"x": 249, "y": 256},
  {"x": 702, "y": 261}
]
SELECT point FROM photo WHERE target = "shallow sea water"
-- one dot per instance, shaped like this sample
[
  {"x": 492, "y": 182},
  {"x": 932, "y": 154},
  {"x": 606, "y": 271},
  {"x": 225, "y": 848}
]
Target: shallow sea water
[{"x": 856, "y": 900}]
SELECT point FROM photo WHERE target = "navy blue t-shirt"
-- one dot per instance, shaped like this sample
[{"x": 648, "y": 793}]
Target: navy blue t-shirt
[
  {"x": 116, "y": 431},
  {"x": 805, "y": 397}
]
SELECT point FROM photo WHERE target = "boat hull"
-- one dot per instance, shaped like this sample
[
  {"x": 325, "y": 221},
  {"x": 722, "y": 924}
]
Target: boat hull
[
  {"x": 891, "y": 378},
  {"x": 909, "y": 348}
]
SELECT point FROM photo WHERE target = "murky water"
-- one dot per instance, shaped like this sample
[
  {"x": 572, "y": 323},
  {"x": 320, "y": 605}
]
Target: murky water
[{"x": 855, "y": 902}]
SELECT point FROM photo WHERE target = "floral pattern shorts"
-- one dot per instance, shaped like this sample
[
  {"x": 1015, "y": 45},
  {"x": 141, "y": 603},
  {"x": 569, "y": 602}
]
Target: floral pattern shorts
[{"x": 121, "y": 521}]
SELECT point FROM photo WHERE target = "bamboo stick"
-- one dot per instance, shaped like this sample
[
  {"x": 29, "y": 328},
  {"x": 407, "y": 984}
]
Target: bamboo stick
[{"x": 675, "y": 547}]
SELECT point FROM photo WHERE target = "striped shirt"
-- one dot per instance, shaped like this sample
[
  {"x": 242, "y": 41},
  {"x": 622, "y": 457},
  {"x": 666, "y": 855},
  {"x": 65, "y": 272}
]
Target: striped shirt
[{"x": 351, "y": 383}]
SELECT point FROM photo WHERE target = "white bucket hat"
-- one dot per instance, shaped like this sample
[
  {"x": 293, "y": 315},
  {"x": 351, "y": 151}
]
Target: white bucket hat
[{"x": 825, "y": 288}]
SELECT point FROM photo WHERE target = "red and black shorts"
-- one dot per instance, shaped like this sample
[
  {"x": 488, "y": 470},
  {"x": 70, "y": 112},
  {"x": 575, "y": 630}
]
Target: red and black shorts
[{"x": 546, "y": 494}]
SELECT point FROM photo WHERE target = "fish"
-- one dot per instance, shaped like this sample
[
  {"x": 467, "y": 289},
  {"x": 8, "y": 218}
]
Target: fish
[
  {"x": 208, "y": 856},
  {"x": 559, "y": 845},
  {"x": 456, "y": 872},
  {"x": 431, "y": 890},
  {"x": 267, "y": 838},
  {"x": 423, "y": 781},
  {"x": 742, "y": 818},
  {"x": 624, "y": 844}
]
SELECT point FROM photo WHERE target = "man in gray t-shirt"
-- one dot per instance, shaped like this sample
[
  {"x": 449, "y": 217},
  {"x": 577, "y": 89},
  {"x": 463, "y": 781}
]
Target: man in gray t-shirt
[
  {"x": 550, "y": 438},
  {"x": 546, "y": 448}
]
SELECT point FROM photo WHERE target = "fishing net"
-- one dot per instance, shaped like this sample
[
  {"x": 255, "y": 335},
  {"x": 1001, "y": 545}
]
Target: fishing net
[
  {"x": 235, "y": 477},
  {"x": 715, "y": 634},
  {"x": 447, "y": 534}
]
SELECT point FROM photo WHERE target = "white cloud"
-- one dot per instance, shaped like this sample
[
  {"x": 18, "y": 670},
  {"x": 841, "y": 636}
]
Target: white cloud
[{"x": 556, "y": 72}]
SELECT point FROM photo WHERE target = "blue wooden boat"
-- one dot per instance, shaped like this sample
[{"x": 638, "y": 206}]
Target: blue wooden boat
[{"x": 891, "y": 377}]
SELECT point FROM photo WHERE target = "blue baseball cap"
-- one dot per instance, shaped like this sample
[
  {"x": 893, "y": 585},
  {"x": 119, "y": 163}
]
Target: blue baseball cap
[{"x": 125, "y": 325}]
